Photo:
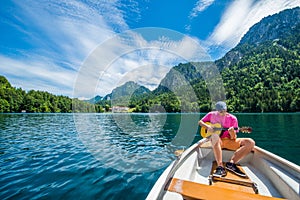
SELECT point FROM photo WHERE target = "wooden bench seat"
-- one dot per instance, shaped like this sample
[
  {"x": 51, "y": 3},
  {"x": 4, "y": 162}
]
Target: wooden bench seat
[
  {"x": 192, "y": 190},
  {"x": 233, "y": 181}
]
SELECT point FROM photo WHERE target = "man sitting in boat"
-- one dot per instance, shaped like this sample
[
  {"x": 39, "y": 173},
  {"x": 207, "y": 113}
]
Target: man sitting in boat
[{"x": 227, "y": 139}]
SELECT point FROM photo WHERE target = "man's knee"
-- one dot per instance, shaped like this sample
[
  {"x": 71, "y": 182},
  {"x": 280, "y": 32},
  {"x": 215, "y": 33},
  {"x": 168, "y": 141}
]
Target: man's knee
[
  {"x": 215, "y": 139},
  {"x": 250, "y": 143}
]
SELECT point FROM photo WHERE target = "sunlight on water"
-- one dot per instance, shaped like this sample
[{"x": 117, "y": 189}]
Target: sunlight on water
[
  {"x": 104, "y": 156},
  {"x": 129, "y": 143}
]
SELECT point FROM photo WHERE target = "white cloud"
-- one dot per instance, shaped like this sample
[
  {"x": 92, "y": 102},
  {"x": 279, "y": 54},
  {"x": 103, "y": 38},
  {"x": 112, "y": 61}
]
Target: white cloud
[
  {"x": 62, "y": 34},
  {"x": 40, "y": 74},
  {"x": 147, "y": 75},
  {"x": 241, "y": 15},
  {"x": 200, "y": 6},
  {"x": 130, "y": 57},
  {"x": 70, "y": 28}
]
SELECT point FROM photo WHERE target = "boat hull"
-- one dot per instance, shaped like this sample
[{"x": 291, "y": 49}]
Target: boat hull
[{"x": 274, "y": 176}]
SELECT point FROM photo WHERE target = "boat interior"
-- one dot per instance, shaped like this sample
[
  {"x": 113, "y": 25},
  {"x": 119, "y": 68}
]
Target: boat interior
[{"x": 268, "y": 177}]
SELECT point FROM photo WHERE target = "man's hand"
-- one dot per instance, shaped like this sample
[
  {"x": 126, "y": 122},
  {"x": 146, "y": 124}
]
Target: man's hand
[
  {"x": 210, "y": 129},
  {"x": 232, "y": 133}
]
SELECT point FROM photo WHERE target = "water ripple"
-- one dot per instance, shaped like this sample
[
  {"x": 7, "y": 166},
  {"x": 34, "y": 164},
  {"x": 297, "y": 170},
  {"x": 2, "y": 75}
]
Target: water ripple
[
  {"x": 103, "y": 156},
  {"x": 43, "y": 157}
]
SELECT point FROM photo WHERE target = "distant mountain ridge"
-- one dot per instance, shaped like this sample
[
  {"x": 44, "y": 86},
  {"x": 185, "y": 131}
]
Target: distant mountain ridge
[
  {"x": 260, "y": 74},
  {"x": 123, "y": 93},
  {"x": 262, "y": 69},
  {"x": 128, "y": 89},
  {"x": 276, "y": 27},
  {"x": 94, "y": 100},
  {"x": 177, "y": 77},
  {"x": 273, "y": 27}
]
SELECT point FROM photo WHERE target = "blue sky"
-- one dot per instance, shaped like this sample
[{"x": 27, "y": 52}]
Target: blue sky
[{"x": 73, "y": 47}]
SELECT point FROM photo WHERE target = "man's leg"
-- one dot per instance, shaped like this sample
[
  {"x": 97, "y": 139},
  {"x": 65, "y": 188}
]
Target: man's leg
[
  {"x": 246, "y": 146},
  {"x": 243, "y": 146},
  {"x": 216, "y": 144}
]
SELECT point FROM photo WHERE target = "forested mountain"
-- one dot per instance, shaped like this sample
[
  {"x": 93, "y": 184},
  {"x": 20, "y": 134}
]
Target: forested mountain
[
  {"x": 94, "y": 100},
  {"x": 272, "y": 28},
  {"x": 265, "y": 78},
  {"x": 128, "y": 89},
  {"x": 123, "y": 93},
  {"x": 261, "y": 74}
]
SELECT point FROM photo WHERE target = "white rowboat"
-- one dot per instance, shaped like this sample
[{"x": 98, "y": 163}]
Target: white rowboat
[{"x": 189, "y": 177}]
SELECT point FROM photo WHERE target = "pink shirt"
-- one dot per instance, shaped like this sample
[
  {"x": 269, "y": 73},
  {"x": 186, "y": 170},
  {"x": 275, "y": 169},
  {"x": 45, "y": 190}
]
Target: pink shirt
[{"x": 226, "y": 121}]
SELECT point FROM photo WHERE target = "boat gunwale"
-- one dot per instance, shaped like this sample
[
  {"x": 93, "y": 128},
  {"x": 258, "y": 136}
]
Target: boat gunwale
[
  {"x": 159, "y": 189},
  {"x": 176, "y": 164},
  {"x": 278, "y": 159}
]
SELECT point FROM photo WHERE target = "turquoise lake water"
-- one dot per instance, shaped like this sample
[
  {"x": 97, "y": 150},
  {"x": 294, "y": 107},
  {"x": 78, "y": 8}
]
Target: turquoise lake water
[{"x": 111, "y": 156}]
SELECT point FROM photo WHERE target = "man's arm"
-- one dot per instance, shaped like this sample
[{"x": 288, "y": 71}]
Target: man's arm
[
  {"x": 207, "y": 126},
  {"x": 232, "y": 133},
  {"x": 231, "y": 130}
]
